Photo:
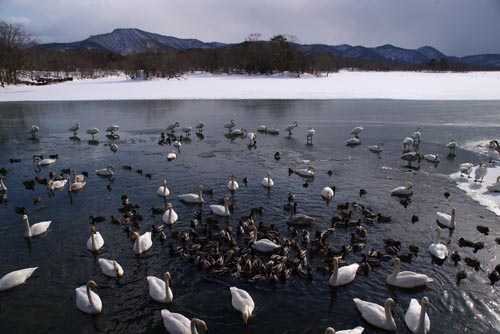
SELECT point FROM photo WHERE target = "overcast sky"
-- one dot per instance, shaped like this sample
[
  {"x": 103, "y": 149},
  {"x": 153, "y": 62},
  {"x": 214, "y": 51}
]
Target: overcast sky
[{"x": 455, "y": 27}]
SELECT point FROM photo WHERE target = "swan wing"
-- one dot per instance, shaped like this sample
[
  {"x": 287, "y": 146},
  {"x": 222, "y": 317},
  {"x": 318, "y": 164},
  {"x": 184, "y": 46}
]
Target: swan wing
[
  {"x": 176, "y": 323},
  {"x": 108, "y": 267},
  {"x": 356, "y": 330},
  {"x": 371, "y": 312},
  {"x": 39, "y": 228},
  {"x": 409, "y": 279},
  {"x": 157, "y": 289},
  {"x": 241, "y": 300},
  {"x": 145, "y": 241},
  {"x": 443, "y": 218},
  {"x": 412, "y": 317},
  {"x": 347, "y": 274},
  {"x": 438, "y": 250},
  {"x": 83, "y": 303},
  {"x": 15, "y": 278}
]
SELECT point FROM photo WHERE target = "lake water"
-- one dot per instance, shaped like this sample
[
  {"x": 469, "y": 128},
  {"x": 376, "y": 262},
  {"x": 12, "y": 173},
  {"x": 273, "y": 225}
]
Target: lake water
[{"x": 46, "y": 303}]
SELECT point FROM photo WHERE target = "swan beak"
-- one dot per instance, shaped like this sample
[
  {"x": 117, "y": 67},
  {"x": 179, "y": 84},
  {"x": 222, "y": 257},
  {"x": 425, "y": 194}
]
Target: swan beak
[
  {"x": 93, "y": 284},
  {"x": 426, "y": 301}
]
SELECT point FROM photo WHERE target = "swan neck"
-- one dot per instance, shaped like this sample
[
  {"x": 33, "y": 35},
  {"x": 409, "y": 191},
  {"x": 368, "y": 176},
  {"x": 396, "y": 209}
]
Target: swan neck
[
  {"x": 89, "y": 296},
  {"x": 200, "y": 195},
  {"x": 137, "y": 249},
  {"x": 28, "y": 228},
  {"x": 226, "y": 208},
  {"x": 335, "y": 273},
  {"x": 388, "y": 314},
  {"x": 93, "y": 241},
  {"x": 396, "y": 269},
  {"x": 193, "y": 327},
  {"x": 438, "y": 236},
  {"x": 421, "y": 319}
]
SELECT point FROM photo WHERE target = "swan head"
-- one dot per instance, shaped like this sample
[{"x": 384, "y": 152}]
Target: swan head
[
  {"x": 111, "y": 168},
  {"x": 396, "y": 264},
  {"x": 295, "y": 124},
  {"x": 268, "y": 174},
  {"x": 168, "y": 277},
  {"x": 409, "y": 185},
  {"x": 389, "y": 304},
  {"x": 425, "y": 301},
  {"x": 134, "y": 235},
  {"x": 329, "y": 330},
  {"x": 200, "y": 324},
  {"x": 453, "y": 211},
  {"x": 169, "y": 206},
  {"x": 92, "y": 284},
  {"x": 311, "y": 168},
  {"x": 498, "y": 179},
  {"x": 25, "y": 218},
  {"x": 92, "y": 230}
]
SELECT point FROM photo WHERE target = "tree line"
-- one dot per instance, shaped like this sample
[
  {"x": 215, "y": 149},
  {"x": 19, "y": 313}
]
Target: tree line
[{"x": 253, "y": 56}]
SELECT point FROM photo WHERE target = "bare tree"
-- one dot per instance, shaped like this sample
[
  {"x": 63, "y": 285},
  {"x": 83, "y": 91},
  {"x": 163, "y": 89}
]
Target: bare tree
[{"x": 12, "y": 54}]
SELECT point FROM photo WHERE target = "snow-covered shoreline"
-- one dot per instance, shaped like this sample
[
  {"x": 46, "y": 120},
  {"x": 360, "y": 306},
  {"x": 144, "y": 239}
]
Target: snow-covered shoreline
[{"x": 342, "y": 85}]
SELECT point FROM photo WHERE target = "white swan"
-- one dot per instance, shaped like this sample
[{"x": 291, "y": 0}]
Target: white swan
[
  {"x": 262, "y": 128},
  {"x": 291, "y": 127},
  {"x": 111, "y": 268},
  {"x": 344, "y": 275},
  {"x": 44, "y": 162},
  {"x": 327, "y": 192},
  {"x": 160, "y": 290},
  {"x": 493, "y": 155},
  {"x": 353, "y": 141},
  {"x": 230, "y": 125},
  {"x": 232, "y": 184},
  {"x": 163, "y": 190},
  {"x": 466, "y": 168},
  {"x": 35, "y": 229},
  {"x": 494, "y": 186},
  {"x": 480, "y": 172},
  {"x": 432, "y": 158},
  {"x": 176, "y": 323},
  {"x": 3, "y": 187},
  {"x": 416, "y": 318},
  {"x": 199, "y": 126},
  {"x": 177, "y": 144},
  {"x": 95, "y": 242},
  {"x": 452, "y": 145},
  {"x": 15, "y": 278},
  {"x": 446, "y": 220},
  {"x": 273, "y": 130},
  {"x": 93, "y": 132},
  {"x": 298, "y": 219},
  {"x": 77, "y": 185},
  {"x": 437, "y": 249},
  {"x": 172, "y": 126},
  {"x": 267, "y": 181},
  {"x": 306, "y": 172},
  {"x": 403, "y": 191},
  {"x": 74, "y": 128},
  {"x": 193, "y": 198},
  {"x": 58, "y": 184},
  {"x": 142, "y": 243},
  {"x": 407, "y": 143},
  {"x": 171, "y": 156},
  {"x": 263, "y": 245},
  {"x": 170, "y": 216},
  {"x": 376, "y": 148},
  {"x": 309, "y": 134},
  {"x": 377, "y": 315},
  {"x": 221, "y": 210},
  {"x": 108, "y": 171},
  {"x": 406, "y": 279},
  {"x": 237, "y": 132},
  {"x": 355, "y": 330},
  {"x": 87, "y": 300},
  {"x": 242, "y": 302},
  {"x": 34, "y": 130},
  {"x": 356, "y": 131},
  {"x": 416, "y": 135},
  {"x": 113, "y": 128}
]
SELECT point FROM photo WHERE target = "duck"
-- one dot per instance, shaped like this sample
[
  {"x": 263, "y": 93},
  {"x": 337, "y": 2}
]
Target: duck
[
  {"x": 163, "y": 190},
  {"x": 242, "y": 302},
  {"x": 406, "y": 279},
  {"x": 57, "y": 184},
  {"x": 416, "y": 317},
  {"x": 434, "y": 158},
  {"x": 74, "y": 129},
  {"x": 142, "y": 243},
  {"x": 438, "y": 249},
  {"x": 465, "y": 168},
  {"x": 232, "y": 185},
  {"x": 221, "y": 210},
  {"x": 169, "y": 216},
  {"x": 356, "y": 131},
  {"x": 87, "y": 300},
  {"x": 494, "y": 187},
  {"x": 356, "y": 330},
  {"x": 277, "y": 156},
  {"x": 230, "y": 125},
  {"x": 3, "y": 187},
  {"x": 44, "y": 162},
  {"x": 15, "y": 278},
  {"x": 112, "y": 128},
  {"x": 35, "y": 229},
  {"x": 377, "y": 315},
  {"x": 108, "y": 171},
  {"x": 344, "y": 275},
  {"x": 95, "y": 242},
  {"x": 199, "y": 126},
  {"x": 93, "y": 132},
  {"x": 298, "y": 219},
  {"x": 171, "y": 156},
  {"x": 480, "y": 172},
  {"x": 445, "y": 220},
  {"x": 403, "y": 191},
  {"x": 113, "y": 148},
  {"x": 187, "y": 129},
  {"x": 327, "y": 193},
  {"x": 376, "y": 148},
  {"x": 291, "y": 127},
  {"x": 353, "y": 141},
  {"x": 111, "y": 268},
  {"x": 176, "y": 323},
  {"x": 267, "y": 181},
  {"x": 452, "y": 145},
  {"x": 193, "y": 198},
  {"x": 34, "y": 130},
  {"x": 160, "y": 289},
  {"x": 171, "y": 127}
]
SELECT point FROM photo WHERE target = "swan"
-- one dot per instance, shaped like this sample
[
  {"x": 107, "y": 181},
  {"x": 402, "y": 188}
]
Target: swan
[
  {"x": 298, "y": 219},
  {"x": 452, "y": 145},
  {"x": 108, "y": 171},
  {"x": 142, "y": 243},
  {"x": 34, "y": 130},
  {"x": 3, "y": 187},
  {"x": 163, "y": 190},
  {"x": 95, "y": 242},
  {"x": 187, "y": 129},
  {"x": 172, "y": 126},
  {"x": 112, "y": 128},
  {"x": 344, "y": 275},
  {"x": 412, "y": 156},
  {"x": 432, "y": 158},
  {"x": 291, "y": 127},
  {"x": 199, "y": 126},
  {"x": 306, "y": 172},
  {"x": 74, "y": 128},
  {"x": 232, "y": 184},
  {"x": 407, "y": 143},
  {"x": 35, "y": 229},
  {"x": 356, "y": 131},
  {"x": 309, "y": 134},
  {"x": 267, "y": 181},
  {"x": 466, "y": 168},
  {"x": 221, "y": 210},
  {"x": 493, "y": 155},
  {"x": 403, "y": 191},
  {"x": 356, "y": 330},
  {"x": 170, "y": 216},
  {"x": 376, "y": 148},
  {"x": 230, "y": 125},
  {"x": 494, "y": 186},
  {"x": 160, "y": 290},
  {"x": 377, "y": 315},
  {"x": 242, "y": 302},
  {"x": 87, "y": 300},
  {"x": 262, "y": 128},
  {"x": 172, "y": 156},
  {"x": 416, "y": 135},
  {"x": 437, "y": 249},
  {"x": 273, "y": 130},
  {"x": 353, "y": 141},
  {"x": 193, "y": 198},
  {"x": 327, "y": 192},
  {"x": 93, "y": 132},
  {"x": 480, "y": 172},
  {"x": 237, "y": 132},
  {"x": 177, "y": 144},
  {"x": 252, "y": 138},
  {"x": 44, "y": 162},
  {"x": 77, "y": 185},
  {"x": 445, "y": 220},
  {"x": 416, "y": 318},
  {"x": 111, "y": 268},
  {"x": 263, "y": 245},
  {"x": 406, "y": 279},
  {"x": 176, "y": 323},
  {"x": 15, "y": 278}
]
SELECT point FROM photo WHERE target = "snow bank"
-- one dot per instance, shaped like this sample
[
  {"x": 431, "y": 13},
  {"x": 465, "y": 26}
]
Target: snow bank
[{"x": 342, "y": 85}]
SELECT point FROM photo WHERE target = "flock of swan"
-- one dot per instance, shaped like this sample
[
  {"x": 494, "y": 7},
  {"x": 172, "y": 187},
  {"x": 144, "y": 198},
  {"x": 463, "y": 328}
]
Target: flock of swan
[{"x": 267, "y": 255}]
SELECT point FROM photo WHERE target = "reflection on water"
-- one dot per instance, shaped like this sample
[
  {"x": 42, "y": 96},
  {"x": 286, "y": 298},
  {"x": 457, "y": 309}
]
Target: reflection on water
[{"x": 298, "y": 305}]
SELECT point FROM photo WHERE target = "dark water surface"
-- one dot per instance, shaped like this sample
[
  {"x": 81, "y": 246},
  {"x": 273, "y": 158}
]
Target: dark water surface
[{"x": 46, "y": 303}]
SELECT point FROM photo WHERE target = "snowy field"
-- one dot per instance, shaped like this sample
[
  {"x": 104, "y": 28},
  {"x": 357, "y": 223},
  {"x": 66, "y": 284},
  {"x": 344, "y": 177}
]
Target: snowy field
[{"x": 342, "y": 85}]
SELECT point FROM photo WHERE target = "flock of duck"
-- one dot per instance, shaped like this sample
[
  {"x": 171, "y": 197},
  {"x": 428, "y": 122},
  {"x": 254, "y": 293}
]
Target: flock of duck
[{"x": 255, "y": 251}]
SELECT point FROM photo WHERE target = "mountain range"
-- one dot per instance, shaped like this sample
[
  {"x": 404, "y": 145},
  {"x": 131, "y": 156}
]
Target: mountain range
[{"x": 132, "y": 41}]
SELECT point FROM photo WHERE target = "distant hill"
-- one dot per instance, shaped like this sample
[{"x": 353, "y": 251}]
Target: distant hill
[{"x": 132, "y": 41}]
